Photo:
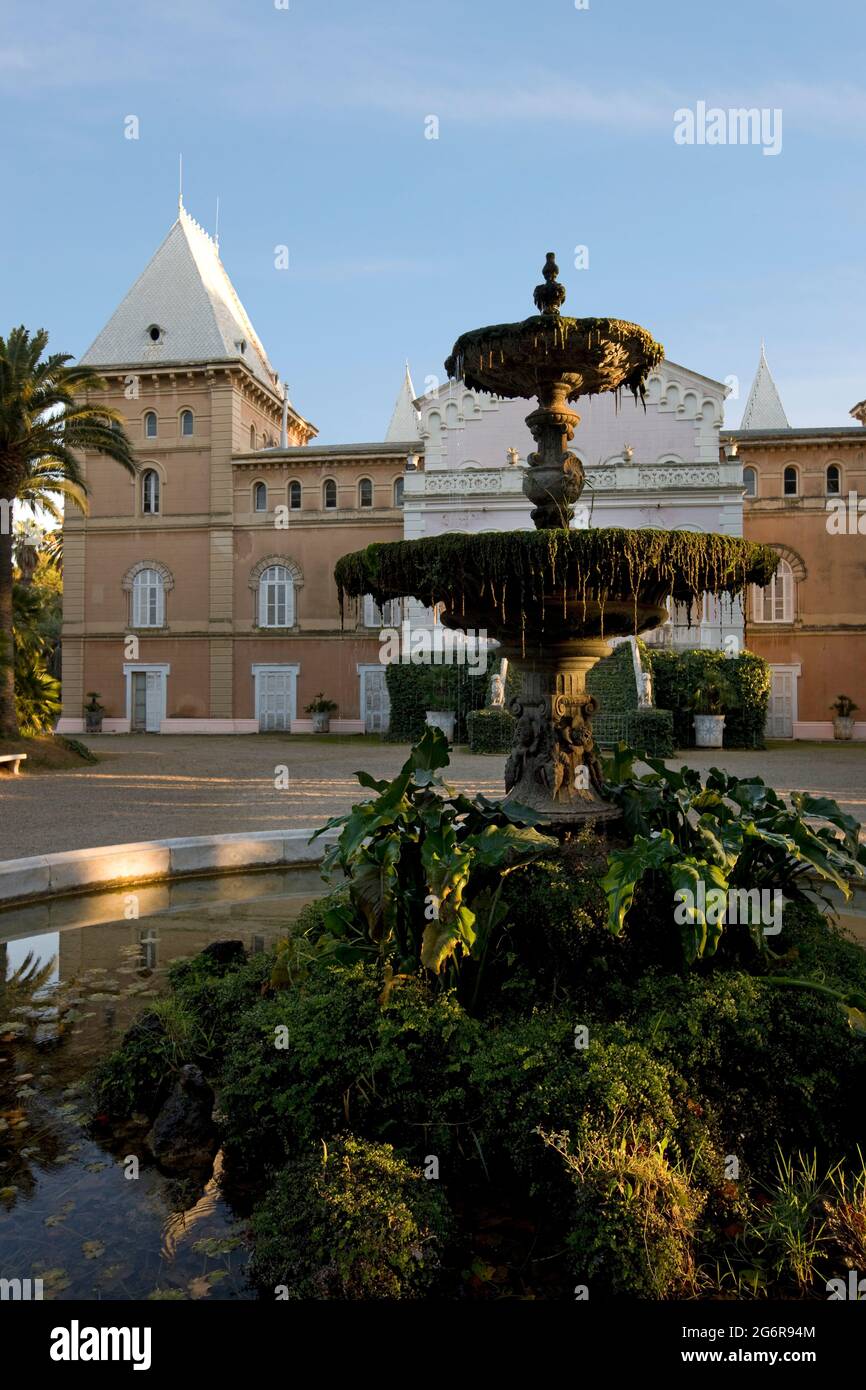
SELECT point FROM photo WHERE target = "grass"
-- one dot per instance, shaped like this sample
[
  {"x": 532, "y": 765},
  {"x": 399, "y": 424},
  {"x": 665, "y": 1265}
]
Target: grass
[{"x": 46, "y": 753}]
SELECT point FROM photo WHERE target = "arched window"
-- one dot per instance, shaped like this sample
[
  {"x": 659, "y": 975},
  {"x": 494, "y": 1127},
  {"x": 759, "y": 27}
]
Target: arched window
[
  {"x": 398, "y": 492},
  {"x": 775, "y": 603},
  {"x": 365, "y": 493},
  {"x": 329, "y": 493},
  {"x": 252, "y": 436},
  {"x": 750, "y": 482},
  {"x": 150, "y": 492},
  {"x": 260, "y": 497},
  {"x": 834, "y": 480},
  {"x": 150, "y": 424},
  {"x": 276, "y": 597},
  {"x": 789, "y": 481},
  {"x": 148, "y": 599},
  {"x": 295, "y": 496},
  {"x": 187, "y": 423}
]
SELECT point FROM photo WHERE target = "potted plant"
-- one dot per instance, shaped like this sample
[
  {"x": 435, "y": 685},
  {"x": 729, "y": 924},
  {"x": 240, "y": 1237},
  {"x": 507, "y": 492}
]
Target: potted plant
[
  {"x": 843, "y": 724},
  {"x": 93, "y": 713},
  {"x": 321, "y": 710},
  {"x": 440, "y": 695},
  {"x": 710, "y": 702}
]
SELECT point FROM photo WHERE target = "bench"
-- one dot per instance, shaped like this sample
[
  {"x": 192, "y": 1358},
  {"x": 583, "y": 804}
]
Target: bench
[{"x": 15, "y": 759}]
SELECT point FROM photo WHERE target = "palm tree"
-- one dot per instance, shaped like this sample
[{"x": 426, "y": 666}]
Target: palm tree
[{"x": 43, "y": 423}]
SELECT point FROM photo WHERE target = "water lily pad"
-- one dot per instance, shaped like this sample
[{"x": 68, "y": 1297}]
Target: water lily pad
[
  {"x": 217, "y": 1245},
  {"x": 92, "y": 1249},
  {"x": 160, "y": 1295},
  {"x": 7, "y": 1192}
]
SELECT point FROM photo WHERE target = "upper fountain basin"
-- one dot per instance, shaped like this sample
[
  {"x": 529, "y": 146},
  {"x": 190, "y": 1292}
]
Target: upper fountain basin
[{"x": 555, "y": 358}]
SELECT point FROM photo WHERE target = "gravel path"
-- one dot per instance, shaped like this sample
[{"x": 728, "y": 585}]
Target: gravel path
[{"x": 151, "y": 787}]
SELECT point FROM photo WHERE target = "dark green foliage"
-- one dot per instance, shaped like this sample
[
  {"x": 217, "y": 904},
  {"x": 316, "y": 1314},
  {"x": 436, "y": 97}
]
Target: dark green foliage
[
  {"x": 633, "y": 1216},
  {"x": 519, "y": 567},
  {"x": 423, "y": 870},
  {"x": 612, "y": 682},
  {"x": 490, "y": 730},
  {"x": 413, "y": 690},
  {"x": 651, "y": 731},
  {"x": 350, "y": 1221},
  {"x": 723, "y": 835},
  {"x": 677, "y": 676}
]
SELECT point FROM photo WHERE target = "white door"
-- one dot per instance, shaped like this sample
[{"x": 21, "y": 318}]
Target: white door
[
  {"x": 375, "y": 703},
  {"x": 780, "y": 710},
  {"x": 153, "y": 702},
  {"x": 146, "y": 701},
  {"x": 275, "y": 706}
]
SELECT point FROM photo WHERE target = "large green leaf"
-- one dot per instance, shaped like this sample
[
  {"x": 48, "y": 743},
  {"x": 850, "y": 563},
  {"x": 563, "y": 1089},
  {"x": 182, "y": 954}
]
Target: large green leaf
[{"x": 626, "y": 867}]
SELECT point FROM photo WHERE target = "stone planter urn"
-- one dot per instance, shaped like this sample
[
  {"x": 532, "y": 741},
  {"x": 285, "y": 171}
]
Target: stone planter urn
[
  {"x": 320, "y": 711},
  {"x": 93, "y": 714},
  {"x": 843, "y": 722},
  {"x": 709, "y": 730},
  {"x": 442, "y": 719}
]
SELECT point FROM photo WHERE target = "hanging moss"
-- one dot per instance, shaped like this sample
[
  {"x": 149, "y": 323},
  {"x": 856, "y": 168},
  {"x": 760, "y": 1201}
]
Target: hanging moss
[
  {"x": 591, "y": 355},
  {"x": 518, "y": 568}
]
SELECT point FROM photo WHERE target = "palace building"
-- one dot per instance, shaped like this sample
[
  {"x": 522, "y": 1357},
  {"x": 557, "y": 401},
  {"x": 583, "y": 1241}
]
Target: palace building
[{"x": 199, "y": 597}]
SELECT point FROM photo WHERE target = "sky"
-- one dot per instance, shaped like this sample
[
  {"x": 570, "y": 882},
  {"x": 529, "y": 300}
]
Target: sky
[{"x": 309, "y": 120}]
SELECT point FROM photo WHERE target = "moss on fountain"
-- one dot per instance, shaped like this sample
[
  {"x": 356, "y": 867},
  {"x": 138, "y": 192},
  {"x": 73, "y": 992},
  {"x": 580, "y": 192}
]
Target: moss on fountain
[
  {"x": 592, "y": 354},
  {"x": 516, "y": 568}
]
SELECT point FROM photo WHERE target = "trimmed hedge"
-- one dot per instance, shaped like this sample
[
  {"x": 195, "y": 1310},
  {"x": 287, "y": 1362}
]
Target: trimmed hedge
[
  {"x": 677, "y": 675},
  {"x": 415, "y": 689},
  {"x": 652, "y": 731},
  {"x": 490, "y": 730}
]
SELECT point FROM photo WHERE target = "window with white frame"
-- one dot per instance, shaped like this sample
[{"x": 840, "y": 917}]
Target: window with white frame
[
  {"x": 150, "y": 424},
  {"x": 329, "y": 493},
  {"x": 295, "y": 496},
  {"x": 148, "y": 599},
  {"x": 834, "y": 480},
  {"x": 389, "y": 615},
  {"x": 260, "y": 497},
  {"x": 790, "y": 481},
  {"x": 187, "y": 423},
  {"x": 365, "y": 492},
  {"x": 276, "y": 597},
  {"x": 775, "y": 602},
  {"x": 750, "y": 482},
  {"x": 150, "y": 492},
  {"x": 398, "y": 492}
]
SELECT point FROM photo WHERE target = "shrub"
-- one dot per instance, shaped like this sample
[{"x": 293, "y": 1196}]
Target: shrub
[
  {"x": 651, "y": 731},
  {"x": 352, "y": 1221},
  {"x": 677, "y": 676},
  {"x": 412, "y": 690},
  {"x": 490, "y": 730},
  {"x": 634, "y": 1213}
]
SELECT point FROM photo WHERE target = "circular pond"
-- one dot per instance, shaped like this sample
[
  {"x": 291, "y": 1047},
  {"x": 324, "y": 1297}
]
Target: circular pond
[{"x": 89, "y": 1221}]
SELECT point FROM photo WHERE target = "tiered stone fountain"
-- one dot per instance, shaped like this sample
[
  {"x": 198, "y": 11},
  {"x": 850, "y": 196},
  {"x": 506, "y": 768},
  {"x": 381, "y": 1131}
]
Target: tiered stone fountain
[{"x": 554, "y": 597}]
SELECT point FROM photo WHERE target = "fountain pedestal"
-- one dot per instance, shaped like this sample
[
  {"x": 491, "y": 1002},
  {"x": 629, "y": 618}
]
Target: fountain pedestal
[{"x": 553, "y": 769}]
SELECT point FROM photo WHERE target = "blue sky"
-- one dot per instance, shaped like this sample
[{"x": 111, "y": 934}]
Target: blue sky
[{"x": 555, "y": 130}]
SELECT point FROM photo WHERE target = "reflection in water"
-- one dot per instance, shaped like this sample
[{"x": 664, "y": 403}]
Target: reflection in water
[{"x": 73, "y": 976}]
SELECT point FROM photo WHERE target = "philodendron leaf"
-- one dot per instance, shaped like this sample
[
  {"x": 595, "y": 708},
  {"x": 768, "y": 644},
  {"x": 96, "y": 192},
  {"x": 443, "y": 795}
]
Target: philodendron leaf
[
  {"x": 700, "y": 892},
  {"x": 507, "y": 844},
  {"x": 626, "y": 867}
]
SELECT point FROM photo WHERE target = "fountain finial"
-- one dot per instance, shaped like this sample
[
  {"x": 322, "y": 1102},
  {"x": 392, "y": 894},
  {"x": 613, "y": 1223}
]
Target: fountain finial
[{"x": 550, "y": 296}]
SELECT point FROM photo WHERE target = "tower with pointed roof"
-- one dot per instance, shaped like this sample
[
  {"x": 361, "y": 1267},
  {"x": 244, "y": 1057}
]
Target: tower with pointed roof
[
  {"x": 186, "y": 369},
  {"x": 764, "y": 409}
]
